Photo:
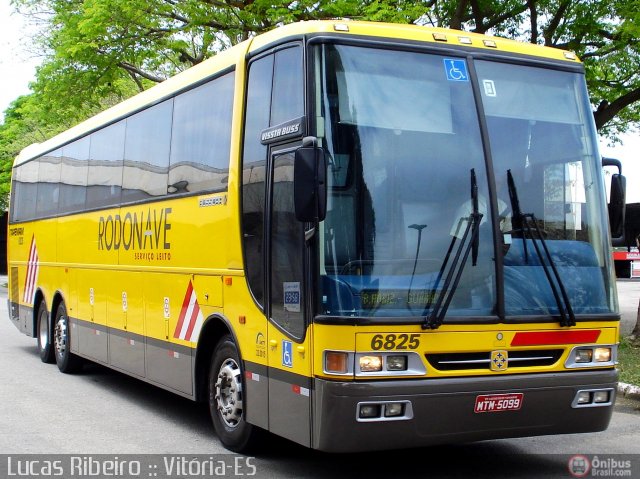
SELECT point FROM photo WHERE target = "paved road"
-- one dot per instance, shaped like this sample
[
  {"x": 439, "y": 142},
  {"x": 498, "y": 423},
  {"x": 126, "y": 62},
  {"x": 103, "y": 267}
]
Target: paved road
[{"x": 102, "y": 411}]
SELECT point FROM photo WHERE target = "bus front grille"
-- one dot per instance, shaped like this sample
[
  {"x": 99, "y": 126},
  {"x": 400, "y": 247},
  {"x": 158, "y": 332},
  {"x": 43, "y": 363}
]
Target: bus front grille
[{"x": 482, "y": 360}]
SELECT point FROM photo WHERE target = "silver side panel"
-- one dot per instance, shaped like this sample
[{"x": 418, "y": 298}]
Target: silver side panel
[
  {"x": 161, "y": 363},
  {"x": 21, "y": 317},
  {"x": 25, "y": 321},
  {"x": 93, "y": 342},
  {"x": 170, "y": 365},
  {"x": 290, "y": 411},
  {"x": 127, "y": 352},
  {"x": 257, "y": 385},
  {"x": 75, "y": 336}
]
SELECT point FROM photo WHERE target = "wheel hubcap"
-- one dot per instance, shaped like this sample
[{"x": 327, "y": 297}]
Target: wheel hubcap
[
  {"x": 43, "y": 337},
  {"x": 229, "y": 393},
  {"x": 61, "y": 336}
]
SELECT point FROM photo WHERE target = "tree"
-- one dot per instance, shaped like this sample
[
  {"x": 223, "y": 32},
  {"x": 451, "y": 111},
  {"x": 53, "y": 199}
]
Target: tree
[
  {"x": 635, "y": 334},
  {"x": 99, "y": 46},
  {"x": 98, "y": 52},
  {"x": 20, "y": 129}
]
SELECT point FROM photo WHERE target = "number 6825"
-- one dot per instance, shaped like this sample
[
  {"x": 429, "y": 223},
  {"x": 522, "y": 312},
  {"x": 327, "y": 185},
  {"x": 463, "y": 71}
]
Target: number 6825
[{"x": 395, "y": 341}]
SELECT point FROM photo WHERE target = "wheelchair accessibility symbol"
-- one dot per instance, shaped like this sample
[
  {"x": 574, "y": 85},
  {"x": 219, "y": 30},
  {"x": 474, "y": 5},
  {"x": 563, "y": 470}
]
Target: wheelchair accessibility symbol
[
  {"x": 287, "y": 354},
  {"x": 456, "y": 69}
]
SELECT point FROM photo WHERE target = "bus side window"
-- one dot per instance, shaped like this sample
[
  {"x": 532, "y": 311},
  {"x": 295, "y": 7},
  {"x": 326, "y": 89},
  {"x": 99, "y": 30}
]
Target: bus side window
[
  {"x": 254, "y": 171},
  {"x": 73, "y": 178},
  {"x": 24, "y": 191},
  {"x": 287, "y": 252},
  {"x": 265, "y": 107},
  {"x": 48, "y": 184},
  {"x": 288, "y": 91},
  {"x": 146, "y": 153},
  {"x": 104, "y": 182},
  {"x": 201, "y": 137}
]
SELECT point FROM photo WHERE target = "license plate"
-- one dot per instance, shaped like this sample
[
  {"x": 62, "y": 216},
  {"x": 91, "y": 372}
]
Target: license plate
[{"x": 498, "y": 402}]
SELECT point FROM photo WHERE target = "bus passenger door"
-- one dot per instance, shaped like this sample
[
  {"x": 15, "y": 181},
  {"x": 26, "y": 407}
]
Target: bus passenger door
[{"x": 289, "y": 350}]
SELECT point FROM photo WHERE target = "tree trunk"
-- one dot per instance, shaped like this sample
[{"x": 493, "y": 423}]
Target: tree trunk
[{"x": 635, "y": 334}]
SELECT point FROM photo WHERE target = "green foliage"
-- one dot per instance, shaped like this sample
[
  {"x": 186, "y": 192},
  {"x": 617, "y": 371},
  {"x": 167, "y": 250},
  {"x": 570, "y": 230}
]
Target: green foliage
[
  {"x": 20, "y": 129},
  {"x": 99, "y": 52},
  {"x": 629, "y": 361}
]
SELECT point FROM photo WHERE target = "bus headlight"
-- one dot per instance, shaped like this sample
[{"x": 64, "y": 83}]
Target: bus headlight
[
  {"x": 396, "y": 363},
  {"x": 601, "y": 397},
  {"x": 583, "y": 397},
  {"x": 583, "y": 355},
  {"x": 369, "y": 364},
  {"x": 593, "y": 398},
  {"x": 602, "y": 355},
  {"x": 393, "y": 409},
  {"x": 368, "y": 411},
  {"x": 376, "y": 363},
  {"x": 592, "y": 356}
]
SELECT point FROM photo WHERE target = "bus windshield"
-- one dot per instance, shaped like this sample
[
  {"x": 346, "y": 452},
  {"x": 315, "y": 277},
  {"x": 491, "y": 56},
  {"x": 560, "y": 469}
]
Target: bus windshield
[{"x": 403, "y": 134}]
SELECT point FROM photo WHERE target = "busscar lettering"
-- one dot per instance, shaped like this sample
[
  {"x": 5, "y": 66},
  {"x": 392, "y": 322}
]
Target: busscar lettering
[
  {"x": 143, "y": 230},
  {"x": 282, "y": 131}
]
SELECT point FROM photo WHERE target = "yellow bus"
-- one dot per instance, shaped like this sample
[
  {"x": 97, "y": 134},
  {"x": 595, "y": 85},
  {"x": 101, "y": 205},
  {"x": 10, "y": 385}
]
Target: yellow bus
[{"x": 357, "y": 236}]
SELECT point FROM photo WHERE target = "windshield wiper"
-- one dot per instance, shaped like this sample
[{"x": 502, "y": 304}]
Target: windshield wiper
[
  {"x": 419, "y": 229},
  {"x": 522, "y": 222},
  {"x": 436, "y": 317}
]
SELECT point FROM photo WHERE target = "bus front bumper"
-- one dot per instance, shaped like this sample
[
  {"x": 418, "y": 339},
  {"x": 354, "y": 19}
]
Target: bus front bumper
[{"x": 440, "y": 411}]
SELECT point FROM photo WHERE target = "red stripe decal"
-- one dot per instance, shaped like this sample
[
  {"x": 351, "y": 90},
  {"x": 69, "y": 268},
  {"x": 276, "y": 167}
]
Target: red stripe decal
[
  {"x": 26, "y": 279},
  {"x": 192, "y": 321},
  {"x": 540, "y": 338},
  {"x": 32, "y": 272},
  {"x": 183, "y": 311}
]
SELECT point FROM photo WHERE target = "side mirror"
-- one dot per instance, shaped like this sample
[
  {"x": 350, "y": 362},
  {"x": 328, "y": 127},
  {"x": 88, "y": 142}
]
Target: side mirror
[
  {"x": 309, "y": 184},
  {"x": 617, "y": 202}
]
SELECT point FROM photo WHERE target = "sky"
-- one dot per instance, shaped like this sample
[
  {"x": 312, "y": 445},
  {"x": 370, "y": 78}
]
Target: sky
[
  {"x": 17, "y": 65},
  {"x": 17, "y": 69}
]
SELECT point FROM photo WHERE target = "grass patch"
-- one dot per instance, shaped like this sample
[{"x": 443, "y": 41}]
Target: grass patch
[{"x": 629, "y": 361}]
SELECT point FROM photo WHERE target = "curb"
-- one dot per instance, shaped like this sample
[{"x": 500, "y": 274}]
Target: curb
[{"x": 629, "y": 391}]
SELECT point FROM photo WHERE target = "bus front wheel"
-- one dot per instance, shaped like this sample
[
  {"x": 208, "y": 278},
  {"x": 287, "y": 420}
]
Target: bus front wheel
[
  {"x": 67, "y": 361},
  {"x": 44, "y": 337},
  {"x": 226, "y": 398}
]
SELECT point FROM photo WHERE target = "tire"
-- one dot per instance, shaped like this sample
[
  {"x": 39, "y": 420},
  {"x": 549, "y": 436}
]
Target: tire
[
  {"x": 67, "y": 361},
  {"x": 227, "y": 401},
  {"x": 43, "y": 334}
]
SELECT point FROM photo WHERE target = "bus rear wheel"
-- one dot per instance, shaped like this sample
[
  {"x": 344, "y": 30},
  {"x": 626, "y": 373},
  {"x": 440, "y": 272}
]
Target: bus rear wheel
[
  {"x": 67, "y": 361},
  {"x": 43, "y": 335},
  {"x": 226, "y": 398}
]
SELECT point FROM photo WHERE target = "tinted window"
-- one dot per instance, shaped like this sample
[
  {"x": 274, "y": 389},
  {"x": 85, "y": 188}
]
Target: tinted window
[
  {"x": 287, "y": 253},
  {"x": 287, "y": 86},
  {"x": 396, "y": 217},
  {"x": 25, "y": 191},
  {"x": 201, "y": 138},
  {"x": 105, "y": 171},
  {"x": 146, "y": 153},
  {"x": 48, "y": 184},
  {"x": 73, "y": 179},
  {"x": 253, "y": 173},
  {"x": 553, "y": 162}
]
